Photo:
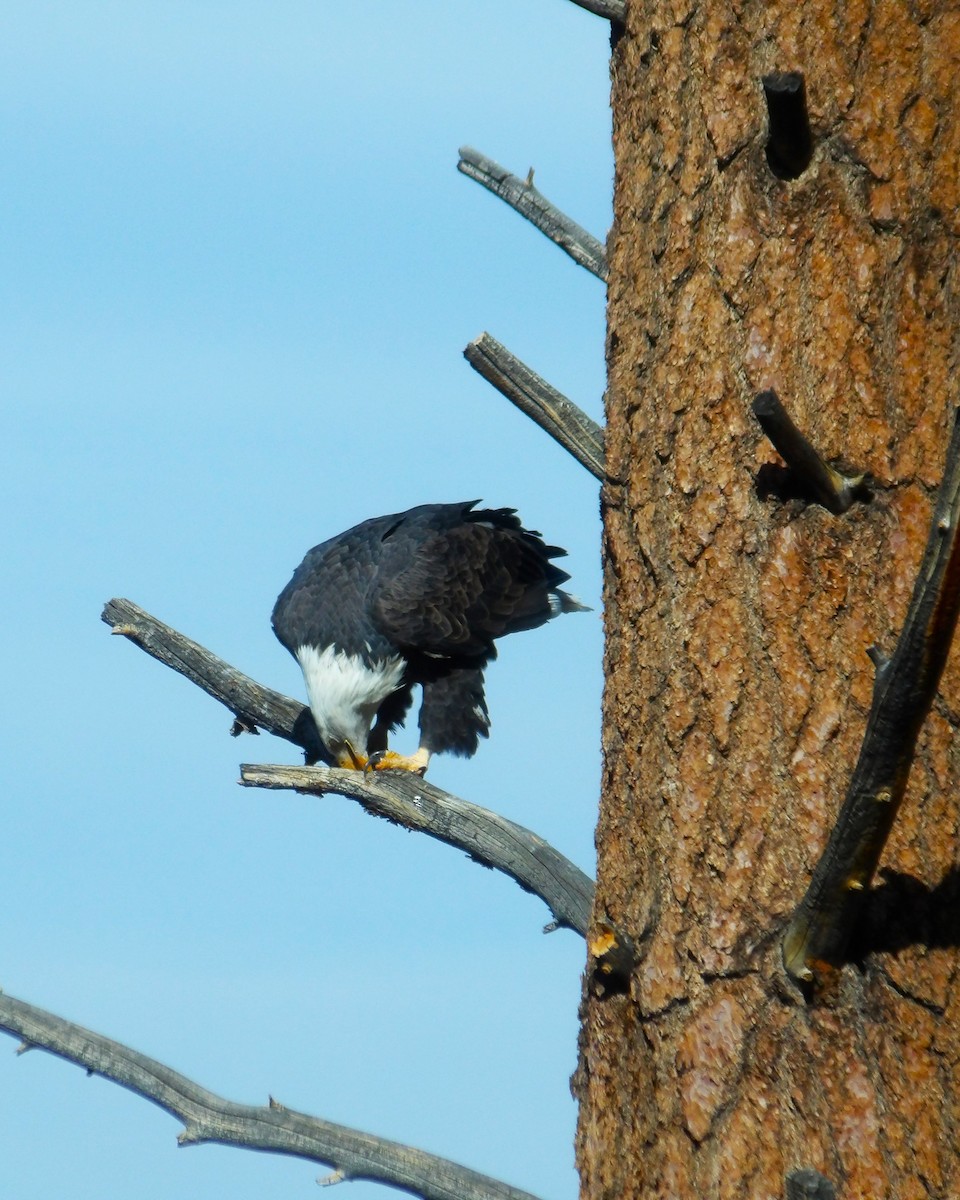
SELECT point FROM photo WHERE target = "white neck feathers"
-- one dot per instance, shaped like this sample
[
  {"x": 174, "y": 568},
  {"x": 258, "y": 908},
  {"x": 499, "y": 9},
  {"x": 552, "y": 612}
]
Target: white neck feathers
[{"x": 345, "y": 693}]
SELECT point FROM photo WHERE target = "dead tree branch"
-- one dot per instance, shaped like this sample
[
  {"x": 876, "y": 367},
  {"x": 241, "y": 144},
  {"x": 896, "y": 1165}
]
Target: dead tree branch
[
  {"x": 613, "y": 10},
  {"x": 254, "y": 707},
  {"x": 525, "y": 199},
  {"x": 209, "y": 1118},
  {"x": 903, "y": 691},
  {"x": 551, "y": 410},
  {"x": 486, "y": 836},
  {"x": 825, "y": 486},
  {"x": 408, "y": 801}
]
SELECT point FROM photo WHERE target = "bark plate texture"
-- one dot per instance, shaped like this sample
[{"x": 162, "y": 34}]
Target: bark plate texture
[{"x": 739, "y": 616}]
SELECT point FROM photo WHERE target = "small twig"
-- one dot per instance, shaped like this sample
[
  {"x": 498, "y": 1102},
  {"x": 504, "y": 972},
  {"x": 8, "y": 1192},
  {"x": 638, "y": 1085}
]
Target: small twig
[
  {"x": 525, "y": 199},
  {"x": 251, "y": 704},
  {"x": 486, "y": 836},
  {"x": 790, "y": 144},
  {"x": 826, "y": 486},
  {"x": 209, "y": 1118},
  {"x": 613, "y": 10},
  {"x": 551, "y": 410},
  {"x": 904, "y": 689}
]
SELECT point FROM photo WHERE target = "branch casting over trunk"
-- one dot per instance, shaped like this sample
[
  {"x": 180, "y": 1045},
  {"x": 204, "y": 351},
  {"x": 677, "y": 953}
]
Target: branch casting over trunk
[
  {"x": 210, "y": 1118},
  {"x": 904, "y": 689}
]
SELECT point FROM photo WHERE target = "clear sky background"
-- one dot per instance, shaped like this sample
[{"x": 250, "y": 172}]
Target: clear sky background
[{"x": 238, "y": 268}]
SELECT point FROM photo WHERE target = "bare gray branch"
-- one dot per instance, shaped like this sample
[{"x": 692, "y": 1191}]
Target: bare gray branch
[
  {"x": 487, "y": 837},
  {"x": 525, "y": 199},
  {"x": 253, "y": 705},
  {"x": 405, "y": 799},
  {"x": 209, "y": 1118},
  {"x": 613, "y": 10},
  {"x": 826, "y": 486},
  {"x": 552, "y": 411}
]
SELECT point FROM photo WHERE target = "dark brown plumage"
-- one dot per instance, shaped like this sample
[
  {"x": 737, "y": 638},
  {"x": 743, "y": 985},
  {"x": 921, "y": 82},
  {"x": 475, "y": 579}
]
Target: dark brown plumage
[{"x": 414, "y": 598}]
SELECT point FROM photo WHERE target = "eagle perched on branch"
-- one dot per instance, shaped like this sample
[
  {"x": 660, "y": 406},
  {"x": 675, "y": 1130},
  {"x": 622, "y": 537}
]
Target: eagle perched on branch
[{"x": 413, "y": 598}]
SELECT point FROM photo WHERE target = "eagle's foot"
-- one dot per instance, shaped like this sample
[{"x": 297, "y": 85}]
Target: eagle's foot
[{"x": 389, "y": 760}]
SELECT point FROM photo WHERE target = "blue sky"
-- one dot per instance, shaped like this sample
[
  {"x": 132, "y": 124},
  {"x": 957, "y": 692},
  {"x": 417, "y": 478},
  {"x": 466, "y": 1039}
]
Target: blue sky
[{"x": 237, "y": 271}]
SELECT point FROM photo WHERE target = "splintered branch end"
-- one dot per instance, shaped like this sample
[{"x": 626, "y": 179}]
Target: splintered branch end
[{"x": 613, "y": 956}]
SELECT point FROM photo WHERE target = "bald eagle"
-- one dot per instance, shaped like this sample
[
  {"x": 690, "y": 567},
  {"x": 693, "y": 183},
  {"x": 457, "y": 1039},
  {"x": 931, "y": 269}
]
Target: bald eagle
[{"x": 417, "y": 597}]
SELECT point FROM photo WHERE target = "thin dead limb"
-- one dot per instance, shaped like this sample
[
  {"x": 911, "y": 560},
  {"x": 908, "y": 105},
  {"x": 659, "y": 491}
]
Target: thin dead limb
[
  {"x": 209, "y": 1118},
  {"x": 826, "y": 486},
  {"x": 409, "y": 801},
  {"x": 524, "y": 198},
  {"x": 551, "y": 410},
  {"x": 613, "y": 10},
  {"x": 903, "y": 691},
  {"x": 254, "y": 707},
  {"x": 486, "y": 836}
]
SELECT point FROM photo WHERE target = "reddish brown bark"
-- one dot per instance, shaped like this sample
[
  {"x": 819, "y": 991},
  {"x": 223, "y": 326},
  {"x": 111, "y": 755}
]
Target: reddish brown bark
[{"x": 738, "y": 680}]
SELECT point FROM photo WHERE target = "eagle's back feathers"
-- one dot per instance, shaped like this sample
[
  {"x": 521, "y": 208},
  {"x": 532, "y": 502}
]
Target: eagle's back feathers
[{"x": 434, "y": 586}]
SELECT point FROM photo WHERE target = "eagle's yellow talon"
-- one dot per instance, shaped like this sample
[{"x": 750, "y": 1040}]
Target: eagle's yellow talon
[{"x": 389, "y": 760}]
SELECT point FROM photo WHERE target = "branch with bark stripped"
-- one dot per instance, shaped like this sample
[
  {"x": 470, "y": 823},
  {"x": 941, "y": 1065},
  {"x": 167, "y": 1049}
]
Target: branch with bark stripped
[
  {"x": 613, "y": 10},
  {"x": 551, "y": 410},
  {"x": 254, "y": 707},
  {"x": 904, "y": 688},
  {"x": 406, "y": 800},
  {"x": 524, "y": 198},
  {"x": 824, "y": 485},
  {"x": 486, "y": 836},
  {"x": 208, "y": 1118}
]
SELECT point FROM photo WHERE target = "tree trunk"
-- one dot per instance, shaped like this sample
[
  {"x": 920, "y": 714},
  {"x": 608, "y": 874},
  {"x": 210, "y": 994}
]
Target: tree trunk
[{"x": 738, "y": 618}]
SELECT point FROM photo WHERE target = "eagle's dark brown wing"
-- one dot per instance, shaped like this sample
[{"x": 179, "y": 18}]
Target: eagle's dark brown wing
[
  {"x": 428, "y": 590},
  {"x": 452, "y": 580}
]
